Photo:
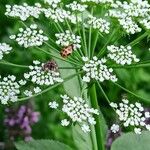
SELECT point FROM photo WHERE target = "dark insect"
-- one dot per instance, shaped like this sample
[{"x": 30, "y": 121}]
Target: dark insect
[
  {"x": 50, "y": 65},
  {"x": 65, "y": 52}
]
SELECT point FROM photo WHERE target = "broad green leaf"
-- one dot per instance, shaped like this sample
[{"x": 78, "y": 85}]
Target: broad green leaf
[
  {"x": 41, "y": 145},
  {"x": 82, "y": 140},
  {"x": 72, "y": 87},
  {"x": 132, "y": 141}
]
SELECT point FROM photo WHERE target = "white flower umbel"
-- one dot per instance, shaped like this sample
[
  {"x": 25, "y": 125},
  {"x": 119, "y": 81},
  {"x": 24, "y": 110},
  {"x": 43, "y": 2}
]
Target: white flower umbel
[
  {"x": 131, "y": 115},
  {"x": 75, "y": 6},
  {"x": 98, "y": 1},
  {"x": 24, "y": 11},
  {"x": 4, "y": 49},
  {"x": 98, "y": 23},
  {"x": 128, "y": 13},
  {"x": 130, "y": 26},
  {"x": 53, "y": 3},
  {"x": 115, "y": 128},
  {"x": 121, "y": 55},
  {"x": 67, "y": 38},
  {"x": 9, "y": 89},
  {"x": 98, "y": 70},
  {"x": 30, "y": 36},
  {"x": 78, "y": 111},
  {"x": 41, "y": 76}
]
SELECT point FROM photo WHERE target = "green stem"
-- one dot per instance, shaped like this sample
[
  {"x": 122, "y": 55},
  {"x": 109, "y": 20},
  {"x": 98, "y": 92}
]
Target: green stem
[
  {"x": 13, "y": 65},
  {"x": 101, "y": 52},
  {"x": 130, "y": 92},
  {"x": 138, "y": 39},
  {"x": 94, "y": 103}
]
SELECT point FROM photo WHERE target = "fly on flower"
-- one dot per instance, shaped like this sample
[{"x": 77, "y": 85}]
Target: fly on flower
[
  {"x": 65, "y": 52},
  {"x": 50, "y": 65}
]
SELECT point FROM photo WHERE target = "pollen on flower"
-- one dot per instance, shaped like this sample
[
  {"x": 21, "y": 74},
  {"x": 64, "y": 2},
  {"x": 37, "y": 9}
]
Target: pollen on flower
[
  {"x": 67, "y": 38},
  {"x": 42, "y": 77},
  {"x": 4, "y": 49},
  {"x": 78, "y": 111},
  {"x": 121, "y": 55},
  {"x": 9, "y": 89},
  {"x": 30, "y": 36},
  {"x": 24, "y": 11},
  {"x": 131, "y": 115},
  {"x": 98, "y": 70}
]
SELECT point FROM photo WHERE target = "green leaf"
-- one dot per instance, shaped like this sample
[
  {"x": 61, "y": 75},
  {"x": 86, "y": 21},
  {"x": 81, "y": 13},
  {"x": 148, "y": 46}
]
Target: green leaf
[
  {"x": 132, "y": 141},
  {"x": 81, "y": 139},
  {"x": 41, "y": 145},
  {"x": 73, "y": 83}
]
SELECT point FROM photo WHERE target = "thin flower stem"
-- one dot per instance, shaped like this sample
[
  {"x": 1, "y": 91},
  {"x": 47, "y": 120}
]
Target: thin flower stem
[
  {"x": 50, "y": 88},
  {"x": 90, "y": 36},
  {"x": 94, "y": 103},
  {"x": 12, "y": 64},
  {"x": 101, "y": 52},
  {"x": 94, "y": 44},
  {"x": 130, "y": 92},
  {"x": 51, "y": 47},
  {"x": 132, "y": 66},
  {"x": 105, "y": 95},
  {"x": 84, "y": 36},
  {"x": 74, "y": 63},
  {"x": 138, "y": 39},
  {"x": 59, "y": 26}
]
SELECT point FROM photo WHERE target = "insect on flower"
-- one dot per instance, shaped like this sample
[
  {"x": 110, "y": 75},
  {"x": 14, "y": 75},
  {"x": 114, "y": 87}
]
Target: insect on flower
[
  {"x": 65, "y": 52},
  {"x": 50, "y": 65}
]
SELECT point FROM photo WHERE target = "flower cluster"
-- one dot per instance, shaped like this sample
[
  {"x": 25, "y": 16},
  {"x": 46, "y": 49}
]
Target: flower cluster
[
  {"x": 30, "y": 36},
  {"x": 98, "y": 1},
  {"x": 24, "y": 11},
  {"x": 115, "y": 128},
  {"x": 121, "y": 55},
  {"x": 98, "y": 23},
  {"x": 4, "y": 49},
  {"x": 78, "y": 111},
  {"x": 18, "y": 121},
  {"x": 53, "y": 3},
  {"x": 30, "y": 93},
  {"x": 75, "y": 6},
  {"x": 132, "y": 115},
  {"x": 97, "y": 69},
  {"x": 9, "y": 89},
  {"x": 41, "y": 76},
  {"x": 128, "y": 13},
  {"x": 67, "y": 38}
]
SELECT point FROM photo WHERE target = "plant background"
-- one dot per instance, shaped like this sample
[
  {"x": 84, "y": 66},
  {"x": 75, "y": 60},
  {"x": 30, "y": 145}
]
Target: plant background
[{"x": 48, "y": 127}]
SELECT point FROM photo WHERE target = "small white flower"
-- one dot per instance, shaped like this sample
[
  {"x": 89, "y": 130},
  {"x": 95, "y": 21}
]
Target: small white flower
[
  {"x": 115, "y": 128},
  {"x": 65, "y": 122},
  {"x": 4, "y": 49},
  {"x": 85, "y": 128},
  {"x": 137, "y": 130},
  {"x": 75, "y": 6},
  {"x": 28, "y": 93},
  {"x": 37, "y": 90},
  {"x": 53, "y": 105}
]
